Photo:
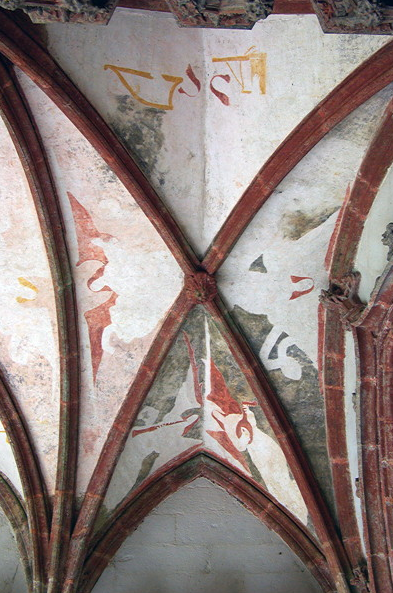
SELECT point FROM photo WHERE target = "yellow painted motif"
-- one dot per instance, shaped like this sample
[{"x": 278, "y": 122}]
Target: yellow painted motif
[
  {"x": 257, "y": 61},
  {"x": 28, "y": 284},
  {"x": 134, "y": 91},
  {"x": 6, "y": 438}
]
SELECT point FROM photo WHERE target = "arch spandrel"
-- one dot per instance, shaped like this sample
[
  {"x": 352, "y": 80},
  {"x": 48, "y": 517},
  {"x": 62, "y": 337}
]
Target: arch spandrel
[
  {"x": 171, "y": 480},
  {"x": 237, "y": 105},
  {"x": 28, "y": 326},
  {"x": 201, "y": 401}
]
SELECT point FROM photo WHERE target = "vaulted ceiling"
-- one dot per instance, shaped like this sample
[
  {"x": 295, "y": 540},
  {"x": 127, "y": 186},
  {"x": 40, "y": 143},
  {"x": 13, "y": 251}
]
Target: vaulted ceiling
[{"x": 195, "y": 257}]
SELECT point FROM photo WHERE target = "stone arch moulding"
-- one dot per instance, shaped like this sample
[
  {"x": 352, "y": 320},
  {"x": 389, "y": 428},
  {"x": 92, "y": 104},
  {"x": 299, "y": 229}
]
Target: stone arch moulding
[
  {"x": 14, "y": 509},
  {"x": 37, "y": 502},
  {"x": 371, "y": 328},
  {"x": 374, "y": 412},
  {"x": 366, "y": 80},
  {"x": 48, "y": 538},
  {"x": 20, "y": 48},
  {"x": 24, "y": 51},
  {"x": 176, "y": 474},
  {"x": 37, "y": 64}
]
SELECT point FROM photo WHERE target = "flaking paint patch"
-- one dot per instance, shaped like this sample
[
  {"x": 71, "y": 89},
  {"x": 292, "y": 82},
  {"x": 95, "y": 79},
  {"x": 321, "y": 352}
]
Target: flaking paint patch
[
  {"x": 140, "y": 130},
  {"x": 258, "y": 265},
  {"x": 298, "y": 223}
]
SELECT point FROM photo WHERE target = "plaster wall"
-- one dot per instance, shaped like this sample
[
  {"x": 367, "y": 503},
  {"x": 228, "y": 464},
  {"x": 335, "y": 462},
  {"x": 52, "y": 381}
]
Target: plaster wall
[
  {"x": 201, "y": 539},
  {"x": 119, "y": 265},
  {"x": 7, "y": 461},
  {"x": 28, "y": 323},
  {"x": 12, "y": 578},
  {"x": 371, "y": 258},
  {"x": 202, "y": 146},
  {"x": 352, "y": 424}
]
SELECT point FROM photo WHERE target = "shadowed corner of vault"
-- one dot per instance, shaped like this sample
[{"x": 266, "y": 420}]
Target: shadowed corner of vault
[{"x": 201, "y": 401}]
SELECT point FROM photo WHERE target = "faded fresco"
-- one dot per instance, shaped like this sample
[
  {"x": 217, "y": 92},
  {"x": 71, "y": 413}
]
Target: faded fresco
[
  {"x": 204, "y": 101},
  {"x": 273, "y": 277},
  {"x": 28, "y": 329},
  {"x": 201, "y": 400},
  {"x": 120, "y": 265}
]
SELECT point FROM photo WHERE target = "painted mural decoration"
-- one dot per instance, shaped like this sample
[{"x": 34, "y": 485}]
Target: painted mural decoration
[
  {"x": 133, "y": 79},
  {"x": 203, "y": 402},
  {"x": 119, "y": 264},
  {"x": 272, "y": 294},
  {"x": 28, "y": 331},
  {"x": 127, "y": 280}
]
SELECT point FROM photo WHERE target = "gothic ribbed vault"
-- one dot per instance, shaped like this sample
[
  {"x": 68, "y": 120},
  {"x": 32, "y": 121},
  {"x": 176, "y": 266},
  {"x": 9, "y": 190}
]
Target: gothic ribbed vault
[{"x": 196, "y": 265}]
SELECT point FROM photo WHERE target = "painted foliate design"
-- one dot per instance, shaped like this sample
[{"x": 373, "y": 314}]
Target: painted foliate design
[{"x": 201, "y": 401}]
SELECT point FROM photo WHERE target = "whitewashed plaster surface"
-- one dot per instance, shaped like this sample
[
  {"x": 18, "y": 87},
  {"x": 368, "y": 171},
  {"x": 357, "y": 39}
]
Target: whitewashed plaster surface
[
  {"x": 28, "y": 327},
  {"x": 291, "y": 232},
  {"x": 201, "y": 539},
  {"x": 7, "y": 461},
  {"x": 204, "y": 147},
  {"x": 12, "y": 578},
  {"x": 220, "y": 415},
  {"x": 371, "y": 257},
  {"x": 126, "y": 278},
  {"x": 352, "y": 397}
]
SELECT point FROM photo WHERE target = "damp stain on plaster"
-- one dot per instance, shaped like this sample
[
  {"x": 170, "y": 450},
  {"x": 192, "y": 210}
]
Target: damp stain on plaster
[
  {"x": 258, "y": 265},
  {"x": 140, "y": 130},
  {"x": 103, "y": 514},
  {"x": 298, "y": 223},
  {"x": 301, "y": 399},
  {"x": 107, "y": 173},
  {"x": 201, "y": 397}
]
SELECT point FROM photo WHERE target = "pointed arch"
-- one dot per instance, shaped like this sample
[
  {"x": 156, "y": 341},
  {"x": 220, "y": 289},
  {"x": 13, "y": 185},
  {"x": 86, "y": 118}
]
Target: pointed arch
[
  {"x": 366, "y": 80},
  {"x": 23, "y": 51},
  {"x": 340, "y": 261},
  {"x": 139, "y": 503},
  {"x": 285, "y": 434},
  {"x": 14, "y": 509},
  {"x": 28, "y": 144},
  {"x": 373, "y": 338},
  {"x": 37, "y": 510},
  {"x": 117, "y": 437}
]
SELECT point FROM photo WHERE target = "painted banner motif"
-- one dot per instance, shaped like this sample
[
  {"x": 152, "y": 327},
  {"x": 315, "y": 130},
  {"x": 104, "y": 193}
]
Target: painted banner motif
[{"x": 135, "y": 80}]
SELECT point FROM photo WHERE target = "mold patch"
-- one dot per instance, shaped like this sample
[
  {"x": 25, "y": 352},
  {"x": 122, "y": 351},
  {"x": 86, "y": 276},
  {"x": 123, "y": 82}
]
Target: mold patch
[
  {"x": 301, "y": 399},
  {"x": 140, "y": 130},
  {"x": 298, "y": 223},
  {"x": 258, "y": 265}
]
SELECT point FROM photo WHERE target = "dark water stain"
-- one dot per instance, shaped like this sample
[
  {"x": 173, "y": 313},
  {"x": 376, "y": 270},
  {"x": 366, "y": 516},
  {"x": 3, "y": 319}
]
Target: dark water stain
[
  {"x": 173, "y": 373},
  {"x": 108, "y": 174},
  {"x": 299, "y": 399},
  {"x": 140, "y": 129},
  {"x": 302, "y": 400},
  {"x": 258, "y": 265},
  {"x": 228, "y": 367},
  {"x": 146, "y": 467},
  {"x": 298, "y": 223}
]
